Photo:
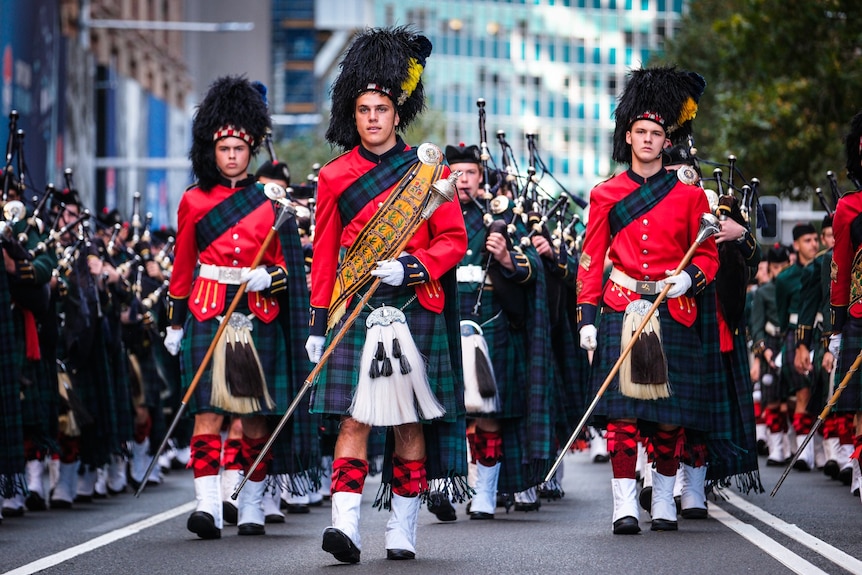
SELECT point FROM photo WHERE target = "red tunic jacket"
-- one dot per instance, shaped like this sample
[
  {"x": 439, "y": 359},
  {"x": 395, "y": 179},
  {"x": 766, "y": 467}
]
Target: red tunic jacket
[
  {"x": 438, "y": 244},
  {"x": 657, "y": 241},
  {"x": 846, "y": 283},
  {"x": 236, "y": 249}
]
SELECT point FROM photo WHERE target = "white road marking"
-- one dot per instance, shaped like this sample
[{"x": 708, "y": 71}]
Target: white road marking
[
  {"x": 834, "y": 554},
  {"x": 781, "y": 553},
  {"x": 101, "y": 541}
]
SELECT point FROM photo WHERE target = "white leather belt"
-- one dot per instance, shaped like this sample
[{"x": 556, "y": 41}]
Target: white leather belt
[
  {"x": 772, "y": 329},
  {"x": 642, "y": 287},
  {"x": 469, "y": 274},
  {"x": 222, "y": 274}
]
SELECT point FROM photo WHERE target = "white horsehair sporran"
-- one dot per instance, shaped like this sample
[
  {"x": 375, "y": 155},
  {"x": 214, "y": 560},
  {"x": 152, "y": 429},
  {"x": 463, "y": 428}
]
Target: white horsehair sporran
[
  {"x": 238, "y": 382},
  {"x": 643, "y": 372},
  {"x": 393, "y": 384},
  {"x": 480, "y": 384}
]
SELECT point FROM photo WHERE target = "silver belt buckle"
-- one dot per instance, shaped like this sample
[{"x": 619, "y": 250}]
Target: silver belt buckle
[
  {"x": 229, "y": 275},
  {"x": 645, "y": 288}
]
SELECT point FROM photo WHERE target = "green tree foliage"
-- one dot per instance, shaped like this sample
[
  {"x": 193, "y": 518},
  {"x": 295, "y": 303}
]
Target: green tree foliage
[{"x": 784, "y": 78}]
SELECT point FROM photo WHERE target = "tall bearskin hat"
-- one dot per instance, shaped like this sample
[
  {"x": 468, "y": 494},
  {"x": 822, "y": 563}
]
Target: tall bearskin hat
[
  {"x": 233, "y": 106},
  {"x": 853, "y": 143},
  {"x": 666, "y": 96},
  {"x": 385, "y": 60}
]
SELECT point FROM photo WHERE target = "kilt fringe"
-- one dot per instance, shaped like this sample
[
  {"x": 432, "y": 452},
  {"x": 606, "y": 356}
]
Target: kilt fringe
[
  {"x": 12, "y": 485},
  {"x": 453, "y": 486}
]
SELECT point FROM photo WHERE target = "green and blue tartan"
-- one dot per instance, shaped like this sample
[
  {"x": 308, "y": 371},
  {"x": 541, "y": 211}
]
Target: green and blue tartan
[
  {"x": 11, "y": 433},
  {"x": 386, "y": 174},
  {"x": 687, "y": 405},
  {"x": 269, "y": 341},
  {"x": 640, "y": 201},
  {"x": 850, "y": 400},
  {"x": 227, "y": 214},
  {"x": 445, "y": 437}
]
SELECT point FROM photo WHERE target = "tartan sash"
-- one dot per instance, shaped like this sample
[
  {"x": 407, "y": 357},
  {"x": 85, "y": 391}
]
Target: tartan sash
[
  {"x": 367, "y": 187},
  {"x": 384, "y": 235},
  {"x": 227, "y": 213},
  {"x": 640, "y": 201}
]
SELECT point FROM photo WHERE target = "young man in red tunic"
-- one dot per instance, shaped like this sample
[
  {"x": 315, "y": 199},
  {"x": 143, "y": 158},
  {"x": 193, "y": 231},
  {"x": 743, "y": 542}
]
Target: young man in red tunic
[{"x": 645, "y": 220}]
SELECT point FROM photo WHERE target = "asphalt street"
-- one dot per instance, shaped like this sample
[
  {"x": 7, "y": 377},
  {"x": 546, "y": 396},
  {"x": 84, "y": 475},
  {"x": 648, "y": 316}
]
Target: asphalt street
[{"x": 811, "y": 526}]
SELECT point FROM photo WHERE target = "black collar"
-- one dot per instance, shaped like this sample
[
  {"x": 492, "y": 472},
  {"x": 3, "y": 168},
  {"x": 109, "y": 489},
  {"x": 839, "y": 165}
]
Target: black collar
[
  {"x": 638, "y": 179},
  {"x": 399, "y": 147},
  {"x": 247, "y": 181}
]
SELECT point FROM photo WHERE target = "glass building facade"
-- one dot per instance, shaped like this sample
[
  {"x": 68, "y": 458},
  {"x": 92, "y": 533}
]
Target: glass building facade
[{"x": 549, "y": 67}]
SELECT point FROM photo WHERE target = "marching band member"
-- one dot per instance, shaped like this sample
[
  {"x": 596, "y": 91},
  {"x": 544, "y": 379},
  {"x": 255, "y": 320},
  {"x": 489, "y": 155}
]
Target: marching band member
[{"x": 378, "y": 93}]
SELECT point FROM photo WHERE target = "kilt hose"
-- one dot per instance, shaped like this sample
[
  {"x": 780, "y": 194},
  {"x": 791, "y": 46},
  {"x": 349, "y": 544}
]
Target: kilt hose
[
  {"x": 687, "y": 406},
  {"x": 445, "y": 446},
  {"x": 850, "y": 400}
]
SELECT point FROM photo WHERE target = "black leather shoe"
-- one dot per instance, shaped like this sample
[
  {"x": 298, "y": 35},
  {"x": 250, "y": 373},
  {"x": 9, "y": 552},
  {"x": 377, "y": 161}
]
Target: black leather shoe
[
  {"x": 399, "y": 554},
  {"x": 203, "y": 525},
  {"x": 251, "y": 529},
  {"x": 439, "y": 505},
  {"x": 663, "y": 525},
  {"x": 626, "y": 526},
  {"x": 229, "y": 512},
  {"x": 775, "y": 463},
  {"x": 274, "y": 518},
  {"x": 801, "y": 466},
  {"x": 35, "y": 502},
  {"x": 845, "y": 476},
  {"x": 481, "y": 515},
  {"x": 831, "y": 469},
  {"x": 645, "y": 498},
  {"x": 339, "y": 544},
  {"x": 534, "y": 506},
  {"x": 694, "y": 513},
  {"x": 13, "y": 512},
  {"x": 294, "y": 508}
]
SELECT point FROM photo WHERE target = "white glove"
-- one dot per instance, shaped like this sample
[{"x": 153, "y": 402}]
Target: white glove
[
  {"x": 257, "y": 279},
  {"x": 835, "y": 344},
  {"x": 588, "y": 337},
  {"x": 680, "y": 283},
  {"x": 390, "y": 272},
  {"x": 173, "y": 339},
  {"x": 314, "y": 347}
]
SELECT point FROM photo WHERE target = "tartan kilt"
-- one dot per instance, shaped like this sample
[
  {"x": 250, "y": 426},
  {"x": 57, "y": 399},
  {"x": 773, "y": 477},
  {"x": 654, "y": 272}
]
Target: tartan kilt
[
  {"x": 11, "y": 436},
  {"x": 333, "y": 388},
  {"x": 771, "y": 390},
  {"x": 40, "y": 403},
  {"x": 687, "y": 405},
  {"x": 850, "y": 400},
  {"x": 507, "y": 348},
  {"x": 791, "y": 380},
  {"x": 90, "y": 377},
  {"x": 733, "y": 419},
  {"x": 270, "y": 344}
]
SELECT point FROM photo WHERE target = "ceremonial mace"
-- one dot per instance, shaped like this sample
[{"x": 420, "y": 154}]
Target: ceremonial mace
[
  {"x": 820, "y": 419},
  {"x": 277, "y": 194},
  {"x": 708, "y": 227},
  {"x": 441, "y": 191}
]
